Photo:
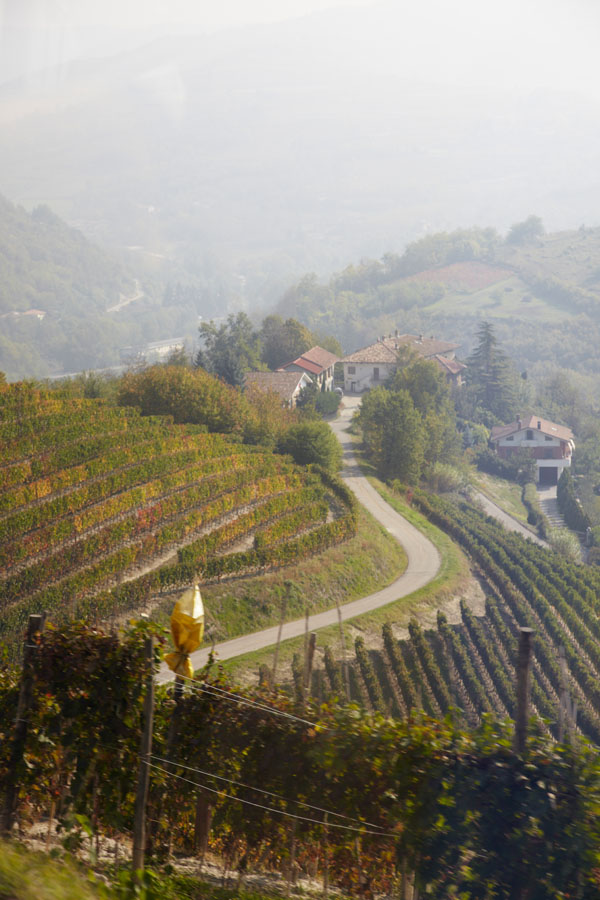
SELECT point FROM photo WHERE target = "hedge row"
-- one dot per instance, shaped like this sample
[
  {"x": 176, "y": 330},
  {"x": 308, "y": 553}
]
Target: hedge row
[
  {"x": 80, "y": 449},
  {"x": 154, "y": 476},
  {"x": 111, "y": 459},
  {"x": 568, "y": 504},
  {"x": 198, "y": 551},
  {"x": 290, "y": 524},
  {"x": 89, "y": 579}
]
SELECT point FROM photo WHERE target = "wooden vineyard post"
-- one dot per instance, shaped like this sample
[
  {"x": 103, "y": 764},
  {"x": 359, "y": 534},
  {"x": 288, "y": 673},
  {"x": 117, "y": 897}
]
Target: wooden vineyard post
[
  {"x": 523, "y": 682},
  {"x": 34, "y": 626},
  {"x": 310, "y": 658},
  {"x": 292, "y": 873},
  {"x": 305, "y": 664},
  {"x": 325, "y": 855},
  {"x": 276, "y": 657},
  {"x": 567, "y": 713},
  {"x": 343, "y": 643},
  {"x": 141, "y": 797}
]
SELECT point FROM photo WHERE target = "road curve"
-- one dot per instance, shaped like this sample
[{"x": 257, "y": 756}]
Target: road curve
[{"x": 422, "y": 566}]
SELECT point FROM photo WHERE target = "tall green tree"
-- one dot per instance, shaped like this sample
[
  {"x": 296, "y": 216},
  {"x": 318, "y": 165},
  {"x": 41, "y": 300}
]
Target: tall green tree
[
  {"x": 231, "y": 349},
  {"x": 431, "y": 398},
  {"x": 282, "y": 341},
  {"x": 311, "y": 442},
  {"x": 525, "y": 232},
  {"x": 491, "y": 378},
  {"x": 393, "y": 433}
]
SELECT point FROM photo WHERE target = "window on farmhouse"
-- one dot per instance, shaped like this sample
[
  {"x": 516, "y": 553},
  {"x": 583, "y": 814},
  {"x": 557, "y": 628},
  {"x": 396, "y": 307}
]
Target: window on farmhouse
[
  {"x": 529, "y": 436},
  {"x": 547, "y": 438},
  {"x": 375, "y": 374},
  {"x": 351, "y": 370},
  {"x": 510, "y": 437}
]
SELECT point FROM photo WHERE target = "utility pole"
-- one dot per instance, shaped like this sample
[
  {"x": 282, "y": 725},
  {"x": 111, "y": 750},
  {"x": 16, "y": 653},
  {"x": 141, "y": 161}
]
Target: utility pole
[
  {"x": 34, "y": 626},
  {"x": 141, "y": 797},
  {"x": 523, "y": 684}
]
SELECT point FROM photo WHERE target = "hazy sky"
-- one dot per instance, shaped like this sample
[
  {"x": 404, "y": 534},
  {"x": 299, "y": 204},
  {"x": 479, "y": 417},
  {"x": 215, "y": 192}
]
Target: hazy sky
[
  {"x": 132, "y": 13},
  {"x": 530, "y": 42}
]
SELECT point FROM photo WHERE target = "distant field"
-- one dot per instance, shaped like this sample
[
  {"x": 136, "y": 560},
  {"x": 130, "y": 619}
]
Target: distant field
[
  {"x": 464, "y": 276},
  {"x": 510, "y": 298},
  {"x": 571, "y": 256}
]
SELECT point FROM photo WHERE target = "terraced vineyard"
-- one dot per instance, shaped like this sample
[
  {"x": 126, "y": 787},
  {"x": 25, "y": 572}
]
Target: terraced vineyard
[
  {"x": 102, "y": 509},
  {"x": 472, "y": 665}
]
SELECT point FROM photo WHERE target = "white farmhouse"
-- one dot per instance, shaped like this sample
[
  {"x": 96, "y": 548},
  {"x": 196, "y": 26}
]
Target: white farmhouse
[
  {"x": 549, "y": 444},
  {"x": 374, "y": 364}
]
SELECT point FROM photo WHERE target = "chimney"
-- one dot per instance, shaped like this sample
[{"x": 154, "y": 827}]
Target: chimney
[
  {"x": 420, "y": 338},
  {"x": 539, "y": 424},
  {"x": 396, "y": 332},
  {"x": 519, "y": 423}
]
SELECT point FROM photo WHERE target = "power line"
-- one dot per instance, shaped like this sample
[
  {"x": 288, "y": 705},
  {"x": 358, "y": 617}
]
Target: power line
[
  {"x": 271, "y": 809},
  {"x": 221, "y": 693},
  {"x": 262, "y": 791}
]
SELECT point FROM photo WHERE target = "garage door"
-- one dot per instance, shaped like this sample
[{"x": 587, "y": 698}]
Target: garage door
[{"x": 548, "y": 474}]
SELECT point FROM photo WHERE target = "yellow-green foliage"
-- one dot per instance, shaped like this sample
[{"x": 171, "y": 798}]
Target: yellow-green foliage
[{"x": 31, "y": 876}]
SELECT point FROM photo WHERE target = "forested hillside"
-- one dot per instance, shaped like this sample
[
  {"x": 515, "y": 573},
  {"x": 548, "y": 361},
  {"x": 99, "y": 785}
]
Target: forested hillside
[
  {"x": 68, "y": 305},
  {"x": 541, "y": 291},
  {"x": 48, "y": 265}
]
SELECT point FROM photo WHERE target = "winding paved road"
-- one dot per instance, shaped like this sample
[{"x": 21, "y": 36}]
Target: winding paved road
[{"x": 423, "y": 563}]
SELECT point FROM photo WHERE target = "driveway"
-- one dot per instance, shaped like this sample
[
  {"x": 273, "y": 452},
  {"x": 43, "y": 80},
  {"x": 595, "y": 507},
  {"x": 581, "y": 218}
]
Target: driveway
[
  {"x": 492, "y": 509},
  {"x": 423, "y": 563}
]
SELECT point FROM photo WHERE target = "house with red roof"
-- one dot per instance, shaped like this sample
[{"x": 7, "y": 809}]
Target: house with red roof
[
  {"x": 370, "y": 366},
  {"x": 317, "y": 363},
  {"x": 551, "y": 445}
]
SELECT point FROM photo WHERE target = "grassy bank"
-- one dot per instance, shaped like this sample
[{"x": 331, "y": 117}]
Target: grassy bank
[
  {"x": 365, "y": 564},
  {"x": 505, "y": 494},
  {"x": 452, "y": 580}
]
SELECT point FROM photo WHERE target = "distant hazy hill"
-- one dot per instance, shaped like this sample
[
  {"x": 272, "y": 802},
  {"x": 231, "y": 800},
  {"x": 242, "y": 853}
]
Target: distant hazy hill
[
  {"x": 543, "y": 295},
  {"x": 47, "y": 265},
  {"x": 292, "y": 147},
  {"x": 67, "y": 305}
]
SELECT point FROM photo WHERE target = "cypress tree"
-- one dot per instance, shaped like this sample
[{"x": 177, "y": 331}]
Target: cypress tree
[{"x": 490, "y": 376}]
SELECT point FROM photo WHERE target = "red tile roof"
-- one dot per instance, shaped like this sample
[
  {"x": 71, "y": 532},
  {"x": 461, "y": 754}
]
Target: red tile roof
[
  {"x": 528, "y": 420},
  {"x": 315, "y": 360}
]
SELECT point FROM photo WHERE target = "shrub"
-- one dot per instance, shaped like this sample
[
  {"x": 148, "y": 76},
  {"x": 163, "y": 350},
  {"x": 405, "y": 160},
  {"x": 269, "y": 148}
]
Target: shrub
[
  {"x": 444, "y": 478},
  {"x": 327, "y": 403},
  {"x": 535, "y": 515},
  {"x": 312, "y": 442},
  {"x": 520, "y": 468},
  {"x": 565, "y": 542},
  {"x": 569, "y": 505}
]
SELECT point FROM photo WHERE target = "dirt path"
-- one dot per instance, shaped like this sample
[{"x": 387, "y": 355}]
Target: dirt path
[
  {"x": 125, "y": 301},
  {"x": 423, "y": 563}
]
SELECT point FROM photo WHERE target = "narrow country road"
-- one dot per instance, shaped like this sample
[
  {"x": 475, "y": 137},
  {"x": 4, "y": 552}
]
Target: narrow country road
[
  {"x": 125, "y": 301},
  {"x": 423, "y": 563},
  {"x": 492, "y": 509}
]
